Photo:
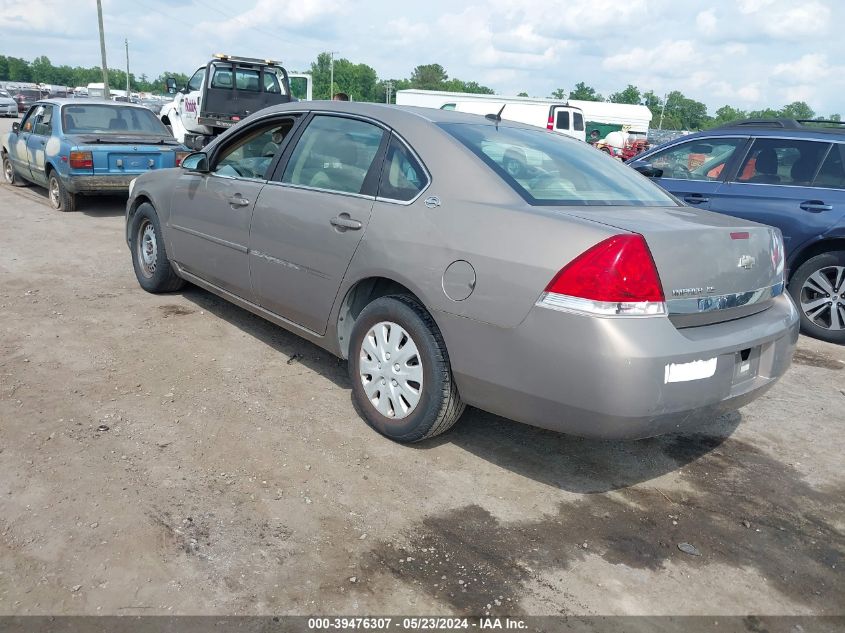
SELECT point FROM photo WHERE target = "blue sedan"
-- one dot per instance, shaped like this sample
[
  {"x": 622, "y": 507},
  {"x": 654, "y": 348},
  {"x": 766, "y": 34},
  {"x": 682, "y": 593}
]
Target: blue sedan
[{"x": 91, "y": 148}]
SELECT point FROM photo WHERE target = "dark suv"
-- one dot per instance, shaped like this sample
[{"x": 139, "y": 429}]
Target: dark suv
[{"x": 786, "y": 173}]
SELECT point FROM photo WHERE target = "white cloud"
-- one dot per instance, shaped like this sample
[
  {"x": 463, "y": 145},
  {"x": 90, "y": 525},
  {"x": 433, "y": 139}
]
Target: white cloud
[
  {"x": 808, "y": 68},
  {"x": 706, "y": 22},
  {"x": 668, "y": 58}
]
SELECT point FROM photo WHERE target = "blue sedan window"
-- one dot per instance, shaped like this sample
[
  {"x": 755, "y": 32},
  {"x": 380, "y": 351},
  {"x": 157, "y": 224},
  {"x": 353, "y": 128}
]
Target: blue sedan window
[{"x": 111, "y": 119}]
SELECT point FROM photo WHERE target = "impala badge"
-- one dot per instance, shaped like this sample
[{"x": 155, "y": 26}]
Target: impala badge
[{"x": 747, "y": 262}]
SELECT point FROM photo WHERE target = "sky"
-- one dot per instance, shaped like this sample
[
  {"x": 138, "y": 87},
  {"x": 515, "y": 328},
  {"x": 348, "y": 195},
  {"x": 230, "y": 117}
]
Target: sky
[{"x": 746, "y": 53}]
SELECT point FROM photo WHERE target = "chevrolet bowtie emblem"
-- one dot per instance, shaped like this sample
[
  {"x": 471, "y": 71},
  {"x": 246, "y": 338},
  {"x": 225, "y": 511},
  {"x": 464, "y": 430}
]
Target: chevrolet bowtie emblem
[{"x": 747, "y": 262}]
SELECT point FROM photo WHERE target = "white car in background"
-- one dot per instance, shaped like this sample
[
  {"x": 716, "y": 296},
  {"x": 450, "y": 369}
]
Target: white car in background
[{"x": 8, "y": 106}]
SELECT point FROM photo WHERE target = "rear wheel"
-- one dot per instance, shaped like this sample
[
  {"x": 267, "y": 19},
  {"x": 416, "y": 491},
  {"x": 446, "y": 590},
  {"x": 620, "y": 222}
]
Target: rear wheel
[
  {"x": 149, "y": 257},
  {"x": 818, "y": 288},
  {"x": 402, "y": 382},
  {"x": 9, "y": 175},
  {"x": 60, "y": 198}
]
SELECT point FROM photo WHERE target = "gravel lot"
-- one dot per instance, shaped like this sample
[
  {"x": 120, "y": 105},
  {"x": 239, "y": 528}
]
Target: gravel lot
[{"x": 175, "y": 454}]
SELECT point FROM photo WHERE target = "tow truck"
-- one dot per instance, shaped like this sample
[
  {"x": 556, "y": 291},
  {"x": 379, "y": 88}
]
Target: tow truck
[{"x": 224, "y": 91}]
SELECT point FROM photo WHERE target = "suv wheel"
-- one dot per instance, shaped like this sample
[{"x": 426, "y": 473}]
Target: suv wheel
[{"x": 818, "y": 288}]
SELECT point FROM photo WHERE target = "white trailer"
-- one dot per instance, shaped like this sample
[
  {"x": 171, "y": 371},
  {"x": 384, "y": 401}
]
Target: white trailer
[{"x": 600, "y": 115}]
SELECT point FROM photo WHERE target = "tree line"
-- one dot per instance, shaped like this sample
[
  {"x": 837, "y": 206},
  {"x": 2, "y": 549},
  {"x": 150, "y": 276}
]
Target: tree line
[{"x": 361, "y": 82}]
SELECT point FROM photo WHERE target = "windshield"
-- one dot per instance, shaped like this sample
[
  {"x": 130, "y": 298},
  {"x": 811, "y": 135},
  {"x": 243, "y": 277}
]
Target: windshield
[
  {"x": 5, "y": 94},
  {"x": 551, "y": 169},
  {"x": 111, "y": 119}
]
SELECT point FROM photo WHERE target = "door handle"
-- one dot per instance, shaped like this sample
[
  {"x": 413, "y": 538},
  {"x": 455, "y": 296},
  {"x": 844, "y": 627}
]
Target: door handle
[
  {"x": 815, "y": 206},
  {"x": 696, "y": 198},
  {"x": 344, "y": 222},
  {"x": 238, "y": 201}
]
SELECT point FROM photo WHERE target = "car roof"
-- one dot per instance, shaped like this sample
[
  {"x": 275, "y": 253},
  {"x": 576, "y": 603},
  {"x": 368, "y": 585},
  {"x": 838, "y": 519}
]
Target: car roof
[
  {"x": 391, "y": 115},
  {"x": 61, "y": 101},
  {"x": 791, "y": 128}
]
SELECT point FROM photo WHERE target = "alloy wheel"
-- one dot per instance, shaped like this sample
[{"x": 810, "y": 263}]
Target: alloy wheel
[
  {"x": 823, "y": 298},
  {"x": 55, "y": 193},
  {"x": 8, "y": 170}
]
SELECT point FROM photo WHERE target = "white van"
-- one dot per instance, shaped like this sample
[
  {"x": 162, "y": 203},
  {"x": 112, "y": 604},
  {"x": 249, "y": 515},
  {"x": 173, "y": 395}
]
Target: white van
[{"x": 556, "y": 117}]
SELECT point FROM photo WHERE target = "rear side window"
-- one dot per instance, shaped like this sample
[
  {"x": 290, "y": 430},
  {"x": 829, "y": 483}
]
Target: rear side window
[
  {"x": 774, "y": 161},
  {"x": 832, "y": 172},
  {"x": 578, "y": 120},
  {"x": 402, "y": 177},
  {"x": 271, "y": 83},
  {"x": 222, "y": 78},
  {"x": 553, "y": 169},
  {"x": 334, "y": 153},
  {"x": 562, "y": 121},
  {"x": 701, "y": 159}
]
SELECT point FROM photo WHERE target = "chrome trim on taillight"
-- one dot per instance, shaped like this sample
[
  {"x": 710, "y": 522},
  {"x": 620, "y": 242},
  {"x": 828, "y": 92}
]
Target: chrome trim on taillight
[{"x": 579, "y": 305}]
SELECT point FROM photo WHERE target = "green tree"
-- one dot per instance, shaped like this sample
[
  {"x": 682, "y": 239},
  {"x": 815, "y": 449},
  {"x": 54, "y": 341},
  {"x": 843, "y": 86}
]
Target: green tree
[
  {"x": 687, "y": 113},
  {"x": 583, "y": 92},
  {"x": 797, "y": 110},
  {"x": 18, "y": 69},
  {"x": 726, "y": 114},
  {"x": 522, "y": 94},
  {"x": 429, "y": 77},
  {"x": 631, "y": 95},
  {"x": 558, "y": 93}
]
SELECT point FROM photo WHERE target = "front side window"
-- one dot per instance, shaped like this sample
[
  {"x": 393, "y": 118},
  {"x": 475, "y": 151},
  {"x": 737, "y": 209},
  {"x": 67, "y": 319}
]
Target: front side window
[
  {"x": 701, "y": 159},
  {"x": 251, "y": 155},
  {"x": 195, "y": 84},
  {"x": 29, "y": 118},
  {"x": 832, "y": 172},
  {"x": 773, "y": 161},
  {"x": 334, "y": 153},
  {"x": 552, "y": 169},
  {"x": 402, "y": 177}
]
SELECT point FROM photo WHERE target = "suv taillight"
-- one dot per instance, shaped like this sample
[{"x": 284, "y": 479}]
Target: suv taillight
[
  {"x": 616, "y": 277},
  {"x": 550, "y": 125}
]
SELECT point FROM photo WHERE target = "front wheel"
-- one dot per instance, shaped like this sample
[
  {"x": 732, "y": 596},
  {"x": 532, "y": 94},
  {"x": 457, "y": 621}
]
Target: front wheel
[
  {"x": 60, "y": 198},
  {"x": 9, "y": 175},
  {"x": 402, "y": 382},
  {"x": 818, "y": 288},
  {"x": 149, "y": 257}
]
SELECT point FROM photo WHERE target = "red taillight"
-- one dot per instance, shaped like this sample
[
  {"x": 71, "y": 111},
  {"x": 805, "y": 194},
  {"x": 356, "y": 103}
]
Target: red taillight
[
  {"x": 81, "y": 160},
  {"x": 551, "y": 123},
  {"x": 180, "y": 156},
  {"x": 618, "y": 270}
]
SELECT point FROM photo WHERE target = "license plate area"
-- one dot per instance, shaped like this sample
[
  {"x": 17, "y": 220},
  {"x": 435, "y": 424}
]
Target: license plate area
[
  {"x": 133, "y": 162},
  {"x": 746, "y": 364}
]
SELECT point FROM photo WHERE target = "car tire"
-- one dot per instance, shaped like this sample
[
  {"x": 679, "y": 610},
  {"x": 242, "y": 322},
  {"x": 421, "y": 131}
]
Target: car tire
[
  {"x": 149, "y": 257},
  {"x": 60, "y": 198},
  {"x": 9, "y": 175},
  {"x": 421, "y": 408},
  {"x": 818, "y": 288}
]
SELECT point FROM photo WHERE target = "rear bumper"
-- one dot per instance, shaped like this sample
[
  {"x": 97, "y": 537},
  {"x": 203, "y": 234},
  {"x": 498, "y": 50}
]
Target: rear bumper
[
  {"x": 608, "y": 377},
  {"x": 118, "y": 183}
]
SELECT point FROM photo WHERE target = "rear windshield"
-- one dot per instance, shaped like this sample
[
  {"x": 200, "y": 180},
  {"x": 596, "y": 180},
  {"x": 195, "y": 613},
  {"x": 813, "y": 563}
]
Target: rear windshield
[
  {"x": 551, "y": 169},
  {"x": 111, "y": 119},
  {"x": 30, "y": 93}
]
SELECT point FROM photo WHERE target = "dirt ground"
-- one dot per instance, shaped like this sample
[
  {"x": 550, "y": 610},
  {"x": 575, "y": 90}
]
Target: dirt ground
[{"x": 175, "y": 454}]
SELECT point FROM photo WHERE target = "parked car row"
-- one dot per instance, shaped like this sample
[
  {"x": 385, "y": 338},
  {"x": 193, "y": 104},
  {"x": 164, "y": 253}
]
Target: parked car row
[
  {"x": 456, "y": 259},
  {"x": 784, "y": 173},
  {"x": 8, "y": 106}
]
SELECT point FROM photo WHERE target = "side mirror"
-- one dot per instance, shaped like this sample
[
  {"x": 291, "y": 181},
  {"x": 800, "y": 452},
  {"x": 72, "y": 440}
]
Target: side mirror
[
  {"x": 647, "y": 170},
  {"x": 198, "y": 162},
  {"x": 16, "y": 127},
  {"x": 170, "y": 84}
]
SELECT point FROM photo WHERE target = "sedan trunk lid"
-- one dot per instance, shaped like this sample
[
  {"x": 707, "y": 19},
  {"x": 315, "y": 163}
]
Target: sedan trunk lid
[{"x": 712, "y": 267}]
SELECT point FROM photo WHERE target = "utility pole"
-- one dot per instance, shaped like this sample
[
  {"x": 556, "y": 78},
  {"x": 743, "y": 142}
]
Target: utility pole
[
  {"x": 388, "y": 85},
  {"x": 662, "y": 110},
  {"x": 106, "y": 94},
  {"x": 331, "y": 72},
  {"x": 126, "y": 41}
]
